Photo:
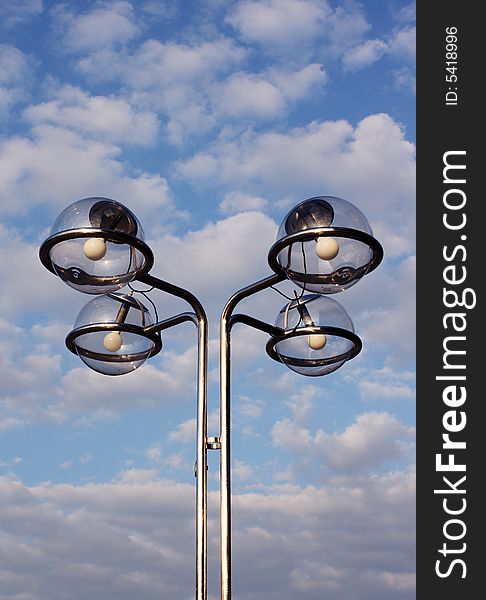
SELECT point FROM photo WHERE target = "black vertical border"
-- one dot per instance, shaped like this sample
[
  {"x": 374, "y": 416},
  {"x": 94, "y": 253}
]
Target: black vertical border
[{"x": 442, "y": 128}]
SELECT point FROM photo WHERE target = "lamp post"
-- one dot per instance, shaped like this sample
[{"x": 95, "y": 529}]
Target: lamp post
[{"x": 324, "y": 246}]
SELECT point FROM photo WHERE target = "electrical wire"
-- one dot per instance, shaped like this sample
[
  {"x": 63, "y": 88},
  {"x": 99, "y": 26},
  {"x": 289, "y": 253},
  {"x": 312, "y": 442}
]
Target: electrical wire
[
  {"x": 297, "y": 297},
  {"x": 145, "y": 294}
]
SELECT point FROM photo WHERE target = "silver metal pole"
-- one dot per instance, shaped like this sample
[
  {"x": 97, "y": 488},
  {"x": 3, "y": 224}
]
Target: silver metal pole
[
  {"x": 225, "y": 427},
  {"x": 225, "y": 462},
  {"x": 201, "y": 439},
  {"x": 201, "y": 469}
]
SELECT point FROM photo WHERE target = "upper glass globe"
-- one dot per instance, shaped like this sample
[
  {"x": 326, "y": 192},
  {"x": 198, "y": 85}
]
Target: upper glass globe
[
  {"x": 104, "y": 261},
  {"x": 332, "y": 260},
  {"x": 315, "y": 354},
  {"x": 113, "y": 350}
]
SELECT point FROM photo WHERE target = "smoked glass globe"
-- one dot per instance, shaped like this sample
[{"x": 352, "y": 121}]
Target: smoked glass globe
[
  {"x": 110, "y": 334},
  {"x": 96, "y": 246},
  {"x": 318, "y": 336},
  {"x": 325, "y": 245}
]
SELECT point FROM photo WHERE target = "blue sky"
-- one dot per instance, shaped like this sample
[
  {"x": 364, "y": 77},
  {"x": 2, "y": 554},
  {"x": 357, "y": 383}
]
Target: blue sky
[{"x": 209, "y": 120}]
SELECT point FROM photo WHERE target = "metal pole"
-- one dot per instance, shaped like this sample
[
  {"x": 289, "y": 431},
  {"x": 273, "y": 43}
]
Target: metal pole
[
  {"x": 225, "y": 463},
  {"x": 201, "y": 464},
  {"x": 225, "y": 426},
  {"x": 201, "y": 443}
]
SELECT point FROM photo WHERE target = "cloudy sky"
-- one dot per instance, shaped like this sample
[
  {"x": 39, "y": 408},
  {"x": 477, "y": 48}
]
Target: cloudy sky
[{"x": 209, "y": 119}]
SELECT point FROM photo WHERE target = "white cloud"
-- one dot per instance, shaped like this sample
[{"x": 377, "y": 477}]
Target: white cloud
[
  {"x": 154, "y": 453},
  {"x": 82, "y": 391},
  {"x": 86, "y": 458},
  {"x": 279, "y": 23},
  {"x": 371, "y": 164},
  {"x": 131, "y": 538},
  {"x": 400, "y": 44},
  {"x": 297, "y": 84},
  {"x": 406, "y": 13},
  {"x": 387, "y": 384},
  {"x": 373, "y": 439},
  {"x": 249, "y": 407},
  {"x": 186, "y": 431},
  {"x": 29, "y": 371},
  {"x": 57, "y": 166},
  {"x": 288, "y": 434},
  {"x": 10, "y": 423},
  {"x": 15, "y": 75},
  {"x": 32, "y": 290},
  {"x": 403, "y": 45},
  {"x": 385, "y": 307},
  {"x": 347, "y": 26},
  {"x": 302, "y": 403},
  {"x": 15, "y": 13},
  {"x": 185, "y": 82},
  {"x": 174, "y": 79},
  {"x": 219, "y": 258},
  {"x": 248, "y": 95},
  {"x": 265, "y": 95},
  {"x": 364, "y": 54},
  {"x": 161, "y": 9},
  {"x": 155, "y": 64},
  {"x": 373, "y": 390},
  {"x": 99, "y": 117},
  {"x": 236, "y": 202},
  {"x": 404, "y": 79},
  {"x": 242, "y": 471},
  {"x": 37, "y": 390},
  {"x": 108, "y": 24}
]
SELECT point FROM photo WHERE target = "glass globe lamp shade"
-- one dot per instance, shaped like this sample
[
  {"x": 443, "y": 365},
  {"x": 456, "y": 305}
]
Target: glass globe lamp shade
[
  {"x": 110, "y": 334},
  {"x": 317, "y": 336},
  {"x": 96, "y": 246},
  {"x": 325, "y": 245}
]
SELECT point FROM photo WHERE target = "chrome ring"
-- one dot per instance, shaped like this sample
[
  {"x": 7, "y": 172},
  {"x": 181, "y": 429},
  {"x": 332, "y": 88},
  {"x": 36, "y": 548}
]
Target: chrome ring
[
  {"x": 106, "y": 234},
  {"x": 86, "y": 329},
  {"x": 318, "y": 362},
  {"x": 311, "y": 234}
]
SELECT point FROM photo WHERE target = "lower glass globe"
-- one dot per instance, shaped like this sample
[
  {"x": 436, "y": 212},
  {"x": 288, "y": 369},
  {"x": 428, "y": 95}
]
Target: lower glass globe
[
  {"x": 113, "y": 351},
  {"x": 314, "y": 354}
]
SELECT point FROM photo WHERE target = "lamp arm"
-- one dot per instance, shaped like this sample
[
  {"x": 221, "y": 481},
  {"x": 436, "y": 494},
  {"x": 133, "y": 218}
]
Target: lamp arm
[
  {"x": 174, "y": 290},
  {"x": 245, "y": 292},
  {"x": 256, "y": 324},
  {"x": 171, "y": 322}
]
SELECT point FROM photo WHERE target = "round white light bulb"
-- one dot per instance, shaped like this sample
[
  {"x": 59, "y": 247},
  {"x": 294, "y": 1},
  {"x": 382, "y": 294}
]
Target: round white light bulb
[
  {"x": 94, "y": 248},
  {"x": 327, "y": 248},
  {"x": 113, "y": 341},
  {"x": 316, "y": 341}
]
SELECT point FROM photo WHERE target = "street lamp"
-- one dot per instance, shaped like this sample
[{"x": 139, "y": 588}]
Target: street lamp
[{"x": 324, "y": 246}]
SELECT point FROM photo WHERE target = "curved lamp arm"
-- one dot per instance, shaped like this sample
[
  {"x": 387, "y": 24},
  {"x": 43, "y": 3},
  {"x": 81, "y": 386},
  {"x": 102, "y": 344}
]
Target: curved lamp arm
[
  {"x": 171, "y": 322},
  {"x": 256, "y": 324}
]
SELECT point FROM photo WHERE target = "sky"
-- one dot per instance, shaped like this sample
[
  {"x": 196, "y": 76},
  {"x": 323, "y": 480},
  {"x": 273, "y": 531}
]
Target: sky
[{"x": 209, "y": 120}]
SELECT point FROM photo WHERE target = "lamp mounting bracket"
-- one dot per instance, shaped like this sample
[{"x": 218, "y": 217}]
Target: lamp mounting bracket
[{"x": 213, "y": 443}]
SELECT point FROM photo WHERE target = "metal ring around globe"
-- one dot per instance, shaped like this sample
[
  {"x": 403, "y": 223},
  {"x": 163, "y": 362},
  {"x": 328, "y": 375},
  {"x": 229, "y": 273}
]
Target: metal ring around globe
[
  {"x": 110, "y": 327},
  {"x": 318, "y": 362},
  {"x": 106, "y": 234},
  {"x": 311, "y": 234}
]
